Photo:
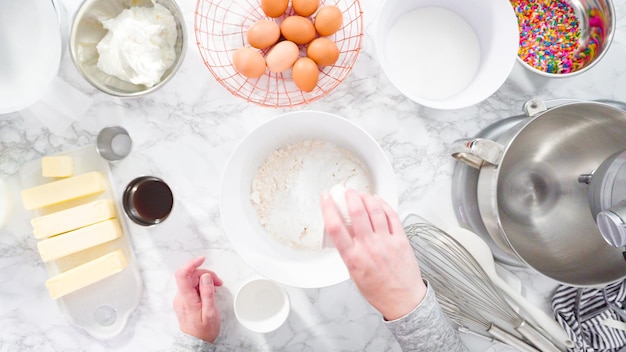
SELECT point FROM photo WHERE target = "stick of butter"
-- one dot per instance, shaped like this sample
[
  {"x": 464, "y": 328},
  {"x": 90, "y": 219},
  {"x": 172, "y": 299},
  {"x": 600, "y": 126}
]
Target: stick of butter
[
  {"x": 57, "y": 166},
  {"x": 73, "y": 218},
  {"x": 86, "y": 274},
  {"x": 78, "y": 240},
  {"x": 63, "y": 190}
]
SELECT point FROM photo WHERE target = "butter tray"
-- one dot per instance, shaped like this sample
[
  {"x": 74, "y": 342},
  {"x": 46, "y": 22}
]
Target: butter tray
[{"x": 103, "y": 308}]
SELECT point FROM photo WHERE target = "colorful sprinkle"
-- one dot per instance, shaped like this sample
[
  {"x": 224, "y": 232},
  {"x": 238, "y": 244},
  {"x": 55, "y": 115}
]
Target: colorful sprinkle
[{"x": 550, "y": 38}]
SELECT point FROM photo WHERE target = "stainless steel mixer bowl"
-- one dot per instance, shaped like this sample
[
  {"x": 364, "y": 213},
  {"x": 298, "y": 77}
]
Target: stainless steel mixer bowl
[
  {"x": 543, "y": 210},
  {"x": 532, "y": 203}
]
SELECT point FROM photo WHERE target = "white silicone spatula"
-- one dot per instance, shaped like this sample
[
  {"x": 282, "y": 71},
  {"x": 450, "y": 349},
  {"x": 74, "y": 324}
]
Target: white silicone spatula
[{"x": 479, "y": 249}]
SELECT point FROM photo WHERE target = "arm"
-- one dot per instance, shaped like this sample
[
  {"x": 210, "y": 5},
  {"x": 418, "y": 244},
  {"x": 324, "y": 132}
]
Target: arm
[
  {"x": 188, "y": 343},
  {"x": 381, "y": 262},
  {"x": 195, "y": 308},
  {"x": 426, "y": 328}
]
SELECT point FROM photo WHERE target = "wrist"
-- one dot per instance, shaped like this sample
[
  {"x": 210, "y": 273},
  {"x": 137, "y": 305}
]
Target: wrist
[
  {"x": 406, "y": 303},
  {"x": 190, "y": 342},
  {"x": 201, "y": 335}
]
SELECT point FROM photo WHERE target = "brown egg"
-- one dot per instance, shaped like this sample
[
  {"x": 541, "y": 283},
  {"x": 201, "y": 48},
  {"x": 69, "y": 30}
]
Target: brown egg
[
  {"x": 305, "y": 74},
  {"x": 249, "y": 62},
  {"x": 328, "y": 20},
  {"x": 323, "y": 51},
  {"x": 274, "y": 8},
  {"x": 305, "y": 7},
  {"x": 298, "y": 29},
  {"x": 263, "y": 34},
  {"x": 282, "y": 56}
]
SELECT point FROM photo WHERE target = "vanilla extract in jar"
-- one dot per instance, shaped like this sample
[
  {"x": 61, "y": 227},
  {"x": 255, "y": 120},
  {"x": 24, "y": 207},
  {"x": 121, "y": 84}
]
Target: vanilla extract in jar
[{"x": 148, "y": 200}]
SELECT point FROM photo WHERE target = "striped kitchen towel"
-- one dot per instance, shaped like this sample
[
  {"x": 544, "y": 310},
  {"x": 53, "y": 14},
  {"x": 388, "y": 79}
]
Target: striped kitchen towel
[{"x": 581, "y": 312}]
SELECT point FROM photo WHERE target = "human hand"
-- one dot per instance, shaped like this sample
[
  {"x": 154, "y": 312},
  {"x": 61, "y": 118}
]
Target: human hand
[
  {"x": 194, "y": 302},
  {"x": 376, "y": 252}
]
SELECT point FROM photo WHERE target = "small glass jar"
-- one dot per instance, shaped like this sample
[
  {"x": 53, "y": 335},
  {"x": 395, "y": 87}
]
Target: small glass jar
[{"x": 148, "y": 200}]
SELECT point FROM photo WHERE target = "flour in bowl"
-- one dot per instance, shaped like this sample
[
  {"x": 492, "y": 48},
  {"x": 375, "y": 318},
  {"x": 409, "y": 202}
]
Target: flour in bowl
[{"x": 286, "y": 189}]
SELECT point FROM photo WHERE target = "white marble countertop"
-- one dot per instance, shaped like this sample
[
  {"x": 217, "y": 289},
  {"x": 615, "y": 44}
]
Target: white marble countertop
[{"x": 185, "y": 133}]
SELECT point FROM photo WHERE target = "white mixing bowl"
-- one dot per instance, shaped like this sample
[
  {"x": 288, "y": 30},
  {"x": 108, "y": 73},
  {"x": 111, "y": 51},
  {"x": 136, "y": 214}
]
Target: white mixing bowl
[
  {"x": 278, "y": 262},
  {"x": 495, "y": 26}
]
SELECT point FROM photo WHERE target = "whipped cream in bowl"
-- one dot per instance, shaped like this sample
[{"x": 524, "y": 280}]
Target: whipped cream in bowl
[
  {"x": 128, "y": 48},
  {"x": 139, "y": 46}
]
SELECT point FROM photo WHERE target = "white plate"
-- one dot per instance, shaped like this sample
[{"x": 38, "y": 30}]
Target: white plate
[
  {"x": 289, "y": 266},
  {"x": 103, "y": 308}
]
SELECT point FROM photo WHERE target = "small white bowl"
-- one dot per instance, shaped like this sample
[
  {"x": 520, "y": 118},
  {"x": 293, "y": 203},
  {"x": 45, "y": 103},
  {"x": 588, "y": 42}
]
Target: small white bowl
[
  {"x": 271, "y": 259},
  {"x": 261, "y": 305},
  {"x": 6, "y": 203},
  {"x": 495, "y": 25}
]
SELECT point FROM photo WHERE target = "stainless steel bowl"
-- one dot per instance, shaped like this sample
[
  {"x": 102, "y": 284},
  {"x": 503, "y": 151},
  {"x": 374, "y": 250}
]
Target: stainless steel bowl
[
  {"x": 529, "y": 196},
  {"x": 87, "y": 31},
  {"x": 605, "y": 10}
]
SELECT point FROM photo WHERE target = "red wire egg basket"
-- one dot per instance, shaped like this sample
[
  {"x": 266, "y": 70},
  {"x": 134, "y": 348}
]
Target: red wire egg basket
[{"x": 221, "y": 25}]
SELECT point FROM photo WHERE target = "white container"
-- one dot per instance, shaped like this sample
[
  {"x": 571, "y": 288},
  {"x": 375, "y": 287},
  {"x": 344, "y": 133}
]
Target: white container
[
  {"x": 262, "y": 305},
  {"x": 426, "y": 56},
  {"x": 32, "y": 43},
  {"x": 6, "y": 203}
]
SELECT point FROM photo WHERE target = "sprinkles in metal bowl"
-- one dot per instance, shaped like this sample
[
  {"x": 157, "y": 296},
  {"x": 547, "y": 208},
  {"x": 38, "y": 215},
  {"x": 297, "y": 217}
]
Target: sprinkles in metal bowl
[{"x": 554, "y": 38}]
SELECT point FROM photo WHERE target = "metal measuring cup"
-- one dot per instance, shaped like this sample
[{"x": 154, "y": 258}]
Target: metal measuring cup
[{"x": 113, "y": 143}]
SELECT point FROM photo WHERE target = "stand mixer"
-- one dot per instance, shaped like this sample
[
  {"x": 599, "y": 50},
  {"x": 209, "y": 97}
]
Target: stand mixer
[
  {"x": 607, "y": 198},
  {"x": 587, "y": 146}
]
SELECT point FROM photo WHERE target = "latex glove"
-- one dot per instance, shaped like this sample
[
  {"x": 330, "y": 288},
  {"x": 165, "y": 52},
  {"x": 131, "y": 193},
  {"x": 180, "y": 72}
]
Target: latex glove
[
  {"x": 194, "y": 302},
  {"x": 376, "y": 252}
]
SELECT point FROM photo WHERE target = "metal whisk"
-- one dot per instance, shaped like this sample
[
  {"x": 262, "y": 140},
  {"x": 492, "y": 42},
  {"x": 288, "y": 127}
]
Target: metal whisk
[
  {"x": 463, "y": 288},
  {"x": 471, "y": 320}
]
